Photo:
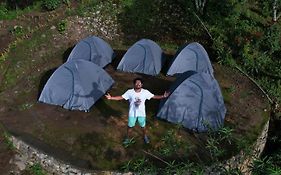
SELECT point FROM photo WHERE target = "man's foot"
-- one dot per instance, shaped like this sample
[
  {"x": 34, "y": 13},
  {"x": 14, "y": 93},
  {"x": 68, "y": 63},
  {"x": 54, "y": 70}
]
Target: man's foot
[
  {"x": 146, "y": 139},
  {"x": 127, "y": 142}
]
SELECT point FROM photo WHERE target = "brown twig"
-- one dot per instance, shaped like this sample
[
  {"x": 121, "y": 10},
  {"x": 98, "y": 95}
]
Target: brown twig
[
  {"x": 156, "y": 157},
  {"x": 206, "y": 29}
]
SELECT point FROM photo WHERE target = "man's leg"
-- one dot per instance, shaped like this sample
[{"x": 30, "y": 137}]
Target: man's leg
[
  {"x": 129, "y": 131},
  {"x": 142, "y": 123},
  {"x": 143, "y": 131},
  {"x": 131, "y": 124}
]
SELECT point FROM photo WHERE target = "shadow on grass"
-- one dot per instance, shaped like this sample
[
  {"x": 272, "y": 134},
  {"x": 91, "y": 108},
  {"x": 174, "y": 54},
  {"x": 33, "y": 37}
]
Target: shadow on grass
[
  {"x": 44, "y": 79},
  {"x": 66, "y": 54},
  {"x": 106, "y": 110},
  {"x": 118, "y": 56}
]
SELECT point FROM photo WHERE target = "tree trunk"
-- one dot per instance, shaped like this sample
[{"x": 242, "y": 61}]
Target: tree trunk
[
  {"x": 275, "y": 8},
  {"x": 200, "y": 5}
]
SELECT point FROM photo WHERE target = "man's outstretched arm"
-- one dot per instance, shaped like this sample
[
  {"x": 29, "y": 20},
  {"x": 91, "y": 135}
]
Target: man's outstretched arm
[
  {"x": 109, "y": 97},
  {"x": 165, "y": 95}
]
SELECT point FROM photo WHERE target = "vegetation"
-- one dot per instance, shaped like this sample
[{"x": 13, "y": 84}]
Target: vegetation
[
  {"x": 51, "y": 4},
  {"x": 35, "y": 169},
  {"x": 7, "y": 140},
  {"x": 62, "y": 26},
  {"x": 240, "y": 34}
]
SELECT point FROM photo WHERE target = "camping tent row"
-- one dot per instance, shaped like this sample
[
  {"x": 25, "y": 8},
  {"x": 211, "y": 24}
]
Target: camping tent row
[
  {"x": 81, "y": 81},
  {"x": 77, "y": 86},
  {"x": 196, "y": 101},
  {"x": 146, "y": 57}
]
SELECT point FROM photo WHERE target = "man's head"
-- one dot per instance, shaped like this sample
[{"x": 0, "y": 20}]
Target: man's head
[{"x": 138, "y": 82}]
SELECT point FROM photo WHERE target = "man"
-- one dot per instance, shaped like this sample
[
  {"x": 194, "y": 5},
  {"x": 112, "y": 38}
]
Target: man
[{"x": 137, "y": 97}]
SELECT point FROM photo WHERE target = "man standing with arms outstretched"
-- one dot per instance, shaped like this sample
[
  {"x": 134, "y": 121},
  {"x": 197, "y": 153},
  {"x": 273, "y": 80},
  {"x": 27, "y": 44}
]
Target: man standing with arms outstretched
[{"x": 137, "y": 97}]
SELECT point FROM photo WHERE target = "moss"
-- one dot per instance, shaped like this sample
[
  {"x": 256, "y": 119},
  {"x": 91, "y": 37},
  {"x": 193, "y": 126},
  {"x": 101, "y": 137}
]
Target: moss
[{"x": 226, "y": 95}]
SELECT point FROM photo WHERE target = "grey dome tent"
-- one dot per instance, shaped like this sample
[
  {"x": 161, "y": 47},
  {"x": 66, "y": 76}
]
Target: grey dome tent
[
  {"x": 145, "y": 56},
  {"x": 93, "y": 49},
  {"x": 76, "y": 85},
  {"x": 195, "y": 102},
  {"x": 193, "y": 57}
]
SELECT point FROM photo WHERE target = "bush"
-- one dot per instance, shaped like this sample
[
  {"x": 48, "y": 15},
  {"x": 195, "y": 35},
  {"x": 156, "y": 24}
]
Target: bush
[
  {"x": 51, "y": 4},
  {"x": 15, "y": 4},
  {"x": 62, "y": 26}
]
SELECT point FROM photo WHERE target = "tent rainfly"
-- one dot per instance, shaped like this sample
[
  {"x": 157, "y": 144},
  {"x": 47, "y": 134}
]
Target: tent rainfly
[
  {"x": 195, "y": 102},
  {"x": 93, "y": 49},
  {"x": 76, "y": 85},
  {"x": 192, "y": 57},
  {"x": 145, "y": 56}
]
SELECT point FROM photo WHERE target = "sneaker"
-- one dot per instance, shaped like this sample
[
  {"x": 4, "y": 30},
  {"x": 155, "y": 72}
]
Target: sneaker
[
  {"x": 146, "y": 140},
  {"x": 127, "y": 142}
]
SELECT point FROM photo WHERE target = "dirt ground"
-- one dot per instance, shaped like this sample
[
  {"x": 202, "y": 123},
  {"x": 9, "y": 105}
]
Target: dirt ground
[
  {"x": 97, "y": 135},
  {"x": 94, "y": 140}
]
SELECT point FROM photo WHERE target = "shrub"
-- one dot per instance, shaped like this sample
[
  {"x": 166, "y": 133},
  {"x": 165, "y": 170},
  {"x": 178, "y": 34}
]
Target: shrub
[
  {"x": 51, "y": 4},
  {"x": 62, "y": 26},
  {"x": 36, "y": 169},
  {"x": 17, "y": 30},
  {"x": 15, "y": 4}
]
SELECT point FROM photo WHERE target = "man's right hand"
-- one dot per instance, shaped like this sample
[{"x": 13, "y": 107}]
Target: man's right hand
[{"x": 108, "y": 96}]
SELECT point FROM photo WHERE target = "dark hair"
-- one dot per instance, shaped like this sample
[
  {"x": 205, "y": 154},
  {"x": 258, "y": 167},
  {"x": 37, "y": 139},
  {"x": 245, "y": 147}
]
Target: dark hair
[{"x": 136, "y": 79}]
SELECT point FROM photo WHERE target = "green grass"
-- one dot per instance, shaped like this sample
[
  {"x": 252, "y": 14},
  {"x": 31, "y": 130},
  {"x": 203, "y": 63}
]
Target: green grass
[
  {"x": 21, "y": 57},
  {"x": 6, "y": 14},
  {"x": 7, "y": 140},
  {"x": 226, "y": 95},
  {"x": 25, "y": 106},
  {"x": 35, "y": 169}
]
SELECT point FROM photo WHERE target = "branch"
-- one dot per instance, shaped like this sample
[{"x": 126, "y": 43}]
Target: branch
[
  {"x": 275, "y": 8},
  {"x": 157, "y": 157},
  {"x": 206, "y": 29},
  {"x": 279, "y": 15}
]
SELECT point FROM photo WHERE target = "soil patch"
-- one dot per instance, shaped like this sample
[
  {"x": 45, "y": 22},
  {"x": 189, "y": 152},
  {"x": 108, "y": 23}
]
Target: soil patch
[{"x": 96, "y": 137}]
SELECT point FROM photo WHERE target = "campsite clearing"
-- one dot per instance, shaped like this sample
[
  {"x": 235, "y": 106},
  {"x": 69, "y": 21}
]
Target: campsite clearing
[{"x": 94, "y": 140}]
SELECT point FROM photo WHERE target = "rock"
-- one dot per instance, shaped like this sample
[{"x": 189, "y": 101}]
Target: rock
[
  {"x": 53, "y": 28},
  {"x": 21, "y": 165}
]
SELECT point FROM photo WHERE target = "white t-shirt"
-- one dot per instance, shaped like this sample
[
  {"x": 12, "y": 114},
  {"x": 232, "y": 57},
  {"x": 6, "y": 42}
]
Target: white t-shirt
[{"x": 137, "y": 100}]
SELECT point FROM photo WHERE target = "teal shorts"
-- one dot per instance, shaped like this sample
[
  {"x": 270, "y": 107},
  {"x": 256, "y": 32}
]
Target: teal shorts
[{"x": 132, "y": 121}]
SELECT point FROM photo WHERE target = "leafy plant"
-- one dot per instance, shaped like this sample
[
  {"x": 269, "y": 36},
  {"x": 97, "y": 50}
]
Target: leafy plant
[
  {"x": 51, "y": 4},
  {"x": 218, "y": 140},
  {"x": 171, "y": 144},
  {"x": 36, "y": 169},
  {"x": 213, "y": 147},
  {"x": 17, "y": 30},
  {"x": 25, "y": 106},
  {"x": 140, "y": 165},
  {"x": 226, "y": 134},
  {"x": 62, "y": 26},
  {"x": 67, "y": 2},
  {"x": 7, "y": 141}
]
